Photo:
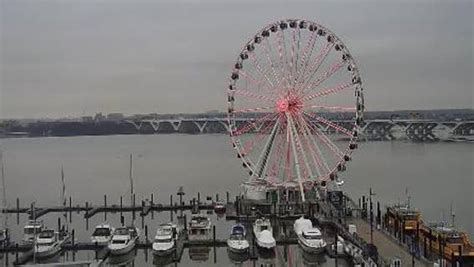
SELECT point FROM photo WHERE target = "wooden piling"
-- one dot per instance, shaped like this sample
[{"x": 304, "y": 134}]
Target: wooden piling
[
  {"x": 105, "y": 206},
  {"x": 217, "y": 197},
  {"x": 146, "y": 233},
  {"x": 70, "y": 209},
  {"x": 227, "y": 197},
  {"x": 73, "y": 237},
  {"x": 17, "y": 210},
  {"x": 121, "y": 206}
]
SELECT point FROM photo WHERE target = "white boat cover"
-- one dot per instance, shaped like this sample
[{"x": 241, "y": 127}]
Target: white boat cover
[
  {"x": 302, "y": 224},
  {"x": 265, "y": 239}
]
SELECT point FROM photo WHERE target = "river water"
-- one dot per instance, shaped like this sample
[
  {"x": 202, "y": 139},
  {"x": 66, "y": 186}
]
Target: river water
[{"x": 436, "y": 176}]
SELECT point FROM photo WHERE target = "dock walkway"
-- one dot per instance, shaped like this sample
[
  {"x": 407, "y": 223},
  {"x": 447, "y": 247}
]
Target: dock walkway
[{"x": 386, "y": 246}]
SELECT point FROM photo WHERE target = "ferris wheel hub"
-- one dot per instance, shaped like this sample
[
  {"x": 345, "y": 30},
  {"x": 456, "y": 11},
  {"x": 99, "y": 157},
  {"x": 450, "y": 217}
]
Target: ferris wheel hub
[{"x": 290, "y": 104}]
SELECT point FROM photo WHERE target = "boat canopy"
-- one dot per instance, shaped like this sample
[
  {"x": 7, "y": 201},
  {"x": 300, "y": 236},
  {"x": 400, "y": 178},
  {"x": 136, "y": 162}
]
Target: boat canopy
[{"x": 238, "y": 229}]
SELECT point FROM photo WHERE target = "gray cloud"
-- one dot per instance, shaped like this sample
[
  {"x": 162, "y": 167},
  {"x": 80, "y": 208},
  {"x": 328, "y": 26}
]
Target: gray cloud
[{"x": 62, "y": 58}]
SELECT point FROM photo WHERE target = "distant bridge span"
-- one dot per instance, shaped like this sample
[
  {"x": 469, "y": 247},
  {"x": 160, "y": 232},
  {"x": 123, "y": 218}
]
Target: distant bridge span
[{"x": 377, "y": 129}]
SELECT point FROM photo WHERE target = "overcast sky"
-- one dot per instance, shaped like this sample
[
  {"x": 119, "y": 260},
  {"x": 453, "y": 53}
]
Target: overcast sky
[{"x": 69, "y": 58}]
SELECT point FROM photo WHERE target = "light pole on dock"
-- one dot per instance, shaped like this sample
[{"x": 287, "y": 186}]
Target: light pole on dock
[{"x": 371, "y": 216}]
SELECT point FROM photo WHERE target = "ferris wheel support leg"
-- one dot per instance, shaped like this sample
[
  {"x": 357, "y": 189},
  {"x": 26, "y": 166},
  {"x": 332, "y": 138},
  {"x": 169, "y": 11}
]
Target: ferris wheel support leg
[
  {"x": 263, "y": 159},
  {"x": 297, "y": 163}
]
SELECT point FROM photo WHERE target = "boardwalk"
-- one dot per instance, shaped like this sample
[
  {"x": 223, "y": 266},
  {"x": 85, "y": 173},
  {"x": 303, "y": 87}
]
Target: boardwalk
[{"x": 387, "y": 247}]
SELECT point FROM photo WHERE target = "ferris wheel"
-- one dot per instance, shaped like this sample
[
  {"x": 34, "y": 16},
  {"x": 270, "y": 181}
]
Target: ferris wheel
[{"x": 295, "y": 105}]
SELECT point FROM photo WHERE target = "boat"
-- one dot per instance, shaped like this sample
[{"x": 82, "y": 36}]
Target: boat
[
  {"x": 310, "y": 238},
  {"x": 219, "y": 207},
  {"x": 263, "y": 232},
  {"x": 199, "y": 227},
  {"x": 3, "y": 237},
  {"x": 48, "y": 243},
  {"x": 102, "y": 234},
  {"x": 165, "y": 239},
  {"x": 32, "y": 229},
  {"x": 124, "y": 239},
  {"x": 237, "y": 241}
]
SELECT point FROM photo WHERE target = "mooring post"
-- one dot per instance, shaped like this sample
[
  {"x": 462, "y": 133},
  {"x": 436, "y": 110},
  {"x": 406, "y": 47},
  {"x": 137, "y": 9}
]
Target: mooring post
[
  {"x": 199, "y": 198},
  {"x": 152, "y": 205},
  {"x": 460, "y": 255},
  {"x": 59, "y": 224},
  {"x": 73, "y": 238},
  {"x": 87, "y": 217},
  {"x": 217, "y": 197},
  {"x": 121, "y": 206},
  {"x": 70, "y": 209},
  {"x": 133, "y": 207},
  {"x": 105, "y": 206},
  {"x": 335, "y": 245},
  {"x": 16, "y": 252},
  {"x": 17, "y": 210},
  {"x": 227, "y": 196},
  {"x": 122, "y": 220},
  {"x": 146, "y": 233}
]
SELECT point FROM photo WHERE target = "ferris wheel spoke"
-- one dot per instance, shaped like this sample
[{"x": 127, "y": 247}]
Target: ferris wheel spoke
[
  {"x": 282, "y": 55},
  {"x": 292, "y": 129},
  {"x": 318, "y": 61},
  {"x": 262, "y": 163},
  {"x": 332, "y": 70},
  {"x": 250, "y": 125},
  {"x": 308, "y": 149},
  {"x": 268, "y": 51},
  {"x": 293, "y": 57},
  {"x": 326, "y": 141},
  {"x": 331, "y": 124},
  {"x": 250, "y": 144},
  {"x": 304, "y": 61},
  {"x": 333, "y": 108},
  {"x": 253, "y": 80},
  {"x": 249, "y": 110},
  {"x": 328, "y": 91},
  {"x": 276, "y": 159},
  {"x": 260, "y": 70},
  {"x": 318, "y": 156},
  {"x": 254, "y": 96}
]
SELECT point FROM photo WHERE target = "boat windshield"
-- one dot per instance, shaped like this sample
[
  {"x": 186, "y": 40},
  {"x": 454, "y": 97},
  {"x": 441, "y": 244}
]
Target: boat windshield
[
  {"x": 101, "y": 232},
  {"x": 31, "y": 230},
  {"x": 312, "y": 236},
  {"x": 167, "y": 240},
  {"x": 47, "y": 244},
  {"x": 122, "y": 231},
  {"x": 119, "y": 241},
  {"x": 263, "y": 227},
  {"x": 46, "y": 234}
]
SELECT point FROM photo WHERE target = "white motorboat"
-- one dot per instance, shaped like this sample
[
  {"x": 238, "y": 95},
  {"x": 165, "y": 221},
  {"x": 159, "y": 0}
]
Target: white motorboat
[
  {"x": 31, "y": 229},
  {"x": 199, "y": 227},
  {"x": 219, "y": 207},
  {"x": 123, "y": 240},
  {"x": 165, "y": 239},
  {"x": 3, "y": 237},
  {"x": 102, "y": 234},
  {"x": 237, "y": 241},
  {"x": 263, "y": 232},
  {"x": 49, "y": 242},
  {"x": 310, "y": 238}
]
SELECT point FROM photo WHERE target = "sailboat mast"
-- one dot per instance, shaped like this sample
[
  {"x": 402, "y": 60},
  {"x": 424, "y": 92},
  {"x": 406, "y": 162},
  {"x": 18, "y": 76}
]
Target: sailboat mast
[
  {"x": 4, "y": 189},
  {"x": 131, "y": 179}
]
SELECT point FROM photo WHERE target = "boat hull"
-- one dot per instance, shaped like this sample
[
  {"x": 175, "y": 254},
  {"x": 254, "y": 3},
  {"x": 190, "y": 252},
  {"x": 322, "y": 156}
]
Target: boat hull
[
  {"x": 164, "y": 252},
  {"x": 311, "y": 249},
  {"x": 122, "y": 250},
  {"x": 48, "y": 252}
]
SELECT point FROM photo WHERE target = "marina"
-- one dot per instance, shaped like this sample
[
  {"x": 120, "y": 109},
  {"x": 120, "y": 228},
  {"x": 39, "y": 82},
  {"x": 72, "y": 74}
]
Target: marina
[{"x": 269, "y": 177}]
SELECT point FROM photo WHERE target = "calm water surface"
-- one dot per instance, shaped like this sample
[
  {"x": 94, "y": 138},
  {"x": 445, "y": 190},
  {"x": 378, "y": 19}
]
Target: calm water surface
[{"x": 437, "y": 176}]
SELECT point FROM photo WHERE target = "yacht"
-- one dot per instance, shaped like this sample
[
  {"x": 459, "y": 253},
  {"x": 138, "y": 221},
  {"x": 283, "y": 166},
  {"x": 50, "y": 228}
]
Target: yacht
[
  {"x": 48, "y": 243},
  {"x": 165, "y": 239},
  {"x": 263, "y": 232},
  {"x": 237, "y": 241},
  {"x": 199, "y": 228},
  {"x": 31, "y": 229},
  {"x": 123, "y": 240},
  {"x": 310, "y": 238},
  {"x": 102, "y": 234}
]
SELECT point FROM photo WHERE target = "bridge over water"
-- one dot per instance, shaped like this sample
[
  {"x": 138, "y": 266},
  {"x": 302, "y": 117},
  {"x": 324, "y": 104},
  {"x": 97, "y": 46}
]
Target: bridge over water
[{"x": 415, "y": 130}]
